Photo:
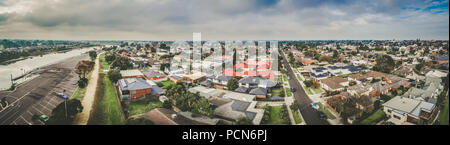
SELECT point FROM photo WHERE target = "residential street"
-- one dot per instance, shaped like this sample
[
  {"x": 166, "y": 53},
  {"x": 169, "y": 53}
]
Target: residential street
[{"x": 310, "y": 115}]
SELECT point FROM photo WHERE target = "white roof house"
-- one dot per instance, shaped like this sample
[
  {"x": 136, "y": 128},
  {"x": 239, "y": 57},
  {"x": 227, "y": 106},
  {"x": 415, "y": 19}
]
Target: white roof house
[
  {"x": 404, "y": 110},
  {"x": 131, "y": 73}
]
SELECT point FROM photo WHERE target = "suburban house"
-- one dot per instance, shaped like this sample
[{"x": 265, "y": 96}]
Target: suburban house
[
  {"x": 219, "y": 81},
  {"x": 257, "y": 86},
  {"x": 231, "y": 105},
  {"x": 430, "y": 91},
  {"x": 194, "y": 78},
  {"x": 132, "y": 74},
  {"x": 309, "y": 62},
  {"x": 436, "y": 74},
  {"x": 162, "y": 116},
  {"x": 154, "y": 75},
  {"x": 134, "y": 88},
  {"x": 406, "y": 70},
  {"x": 334, "y": 84},
  {"x": 363, "y": 77},
  {"x": 403, "y": 111},
  {"x": 259, "y": 92},
  {"x": 255, "y": 82},
  {"x": 319, "y": 73}
]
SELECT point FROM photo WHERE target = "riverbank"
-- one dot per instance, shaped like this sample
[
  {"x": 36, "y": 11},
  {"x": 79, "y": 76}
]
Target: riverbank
[{"x": 40, "y": 53}]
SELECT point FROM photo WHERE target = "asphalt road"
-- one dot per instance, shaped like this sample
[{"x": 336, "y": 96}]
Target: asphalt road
[{"x": 310, "y": 115}]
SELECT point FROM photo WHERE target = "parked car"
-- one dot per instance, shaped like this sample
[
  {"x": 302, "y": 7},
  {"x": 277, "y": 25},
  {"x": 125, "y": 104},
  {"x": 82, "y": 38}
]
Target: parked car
[
  {"x": 292, "y": 89},
  {"x": 61, "y": 95},
  {"x": 322, "y": 115},
  {"x": 44, "y": 118}
]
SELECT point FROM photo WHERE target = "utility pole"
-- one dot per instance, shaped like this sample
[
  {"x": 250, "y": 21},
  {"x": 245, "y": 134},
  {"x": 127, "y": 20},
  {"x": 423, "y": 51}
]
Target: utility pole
[{"x": 65, "y": 103}]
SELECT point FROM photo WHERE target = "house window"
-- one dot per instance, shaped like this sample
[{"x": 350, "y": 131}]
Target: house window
[
  {"x": 133, "y": 92},
  {"x": 397, "y": 117},
  {"x": 389, "y": 110}
]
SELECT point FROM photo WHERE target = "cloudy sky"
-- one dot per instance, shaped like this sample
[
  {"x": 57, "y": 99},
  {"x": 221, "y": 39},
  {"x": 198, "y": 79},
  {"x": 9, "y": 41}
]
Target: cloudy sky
[{"x": 224, "y": 19}]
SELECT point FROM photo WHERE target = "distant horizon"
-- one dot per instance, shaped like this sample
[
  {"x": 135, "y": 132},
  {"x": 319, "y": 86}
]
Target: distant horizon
[{"x": 243, "y": 40}]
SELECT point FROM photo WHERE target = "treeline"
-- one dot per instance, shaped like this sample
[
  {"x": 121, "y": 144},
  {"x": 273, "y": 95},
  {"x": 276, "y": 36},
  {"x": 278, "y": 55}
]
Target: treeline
[{"x": 28, "y": 43}]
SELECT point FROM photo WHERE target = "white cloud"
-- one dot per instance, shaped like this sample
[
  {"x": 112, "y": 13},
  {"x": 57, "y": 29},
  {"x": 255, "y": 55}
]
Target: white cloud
[{"x": 221, "y": 20}]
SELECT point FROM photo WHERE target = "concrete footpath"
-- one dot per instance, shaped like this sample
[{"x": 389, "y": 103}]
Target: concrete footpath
[{"x": 89, "y": 97}]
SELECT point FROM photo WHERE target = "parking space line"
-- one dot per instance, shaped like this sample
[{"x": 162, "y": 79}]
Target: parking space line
[
  {"x": 24, "y": 119},
  {"x": 37, "y": 110}
]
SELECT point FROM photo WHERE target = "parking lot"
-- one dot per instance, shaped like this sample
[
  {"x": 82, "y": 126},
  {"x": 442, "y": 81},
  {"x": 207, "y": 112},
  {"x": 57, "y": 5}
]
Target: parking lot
[{"x": 38, "y": 96}]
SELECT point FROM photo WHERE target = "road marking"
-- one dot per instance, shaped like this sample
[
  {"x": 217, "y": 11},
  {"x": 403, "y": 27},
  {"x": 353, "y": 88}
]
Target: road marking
[
  {"x": 24, "y": 119},
  {"x": 37, "y": 110}
]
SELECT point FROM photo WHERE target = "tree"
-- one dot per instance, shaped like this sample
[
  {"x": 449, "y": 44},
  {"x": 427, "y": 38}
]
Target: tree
[
  {"x": 82, "y": 83},
  {"x": 114, "y": 75},
  {"x": 122, "y": 63},
  {"x": 308, "y": 83},
  {"x": 232, "y": 84},
  {"x": 385, "y": 64},
  {"x": 110, "y": 58},
  {"x": 316, "y": 84},
  {"x": 59, "y": 117},
  {"x": 167, "y": 104},
  {"x": 203, "y": 107},
  {"x": 243, "y": 121},
  {"x": 295, "y": 106},
  {"x": 92, "y": 54},
  {"x": 325, "y": 58},
  {"x": 164, "y": 66}
]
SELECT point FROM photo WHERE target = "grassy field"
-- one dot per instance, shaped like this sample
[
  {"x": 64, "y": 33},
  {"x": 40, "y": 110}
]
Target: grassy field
[
  {"x": 277, "y": 91},
  {"x": 297, "y": 117},
  {"x": 317, "y": 90},
  {"x": 288, "y": 92},
  {"x": 374, "y": 118},
  {"x": 166, "y": 83},
  {"x": 79, "y": 93},
  {"x": 327, "y": 113},
  {"x": 106, "y": 109},
  {"x": 275, "y": 118},
  {"x": 308, "y": 91},
  {"x": 143, "y": 106},
  {"x": 443, "y": 117},
  {"x": 103, "y": 63},
  {"x": 299, "y": 78}
]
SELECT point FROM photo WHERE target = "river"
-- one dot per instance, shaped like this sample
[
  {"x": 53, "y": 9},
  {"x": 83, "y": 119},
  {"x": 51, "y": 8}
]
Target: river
[{"x": 19, "y": 68}]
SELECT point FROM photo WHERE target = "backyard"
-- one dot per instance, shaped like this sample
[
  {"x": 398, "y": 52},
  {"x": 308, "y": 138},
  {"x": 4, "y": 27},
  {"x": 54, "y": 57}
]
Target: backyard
[
  {"x": 277, "y": 91},
  {"x": 275, "y": 116},
  {"x": 167, "y": 83},
  {"x": 143, "y": 106},
  {"x": 374, "y": 118}
]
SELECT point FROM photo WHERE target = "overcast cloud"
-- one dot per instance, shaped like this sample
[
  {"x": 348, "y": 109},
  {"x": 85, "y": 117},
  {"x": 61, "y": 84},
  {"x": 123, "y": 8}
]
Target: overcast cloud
[{"x": 224, "y": 19}]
